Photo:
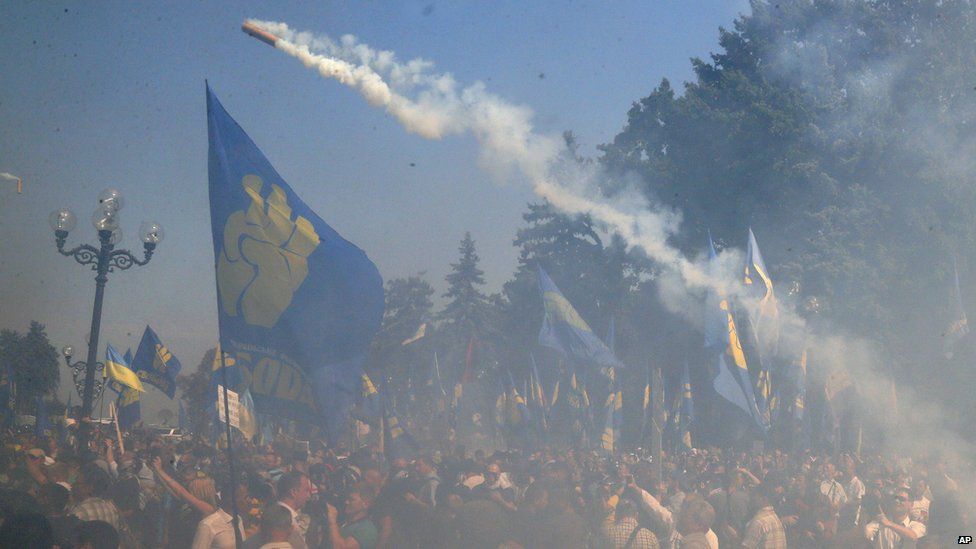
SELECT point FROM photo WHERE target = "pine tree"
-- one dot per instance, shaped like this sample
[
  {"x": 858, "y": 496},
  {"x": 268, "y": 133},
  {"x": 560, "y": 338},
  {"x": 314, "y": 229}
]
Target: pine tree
[{"x": 467, "y": 314}]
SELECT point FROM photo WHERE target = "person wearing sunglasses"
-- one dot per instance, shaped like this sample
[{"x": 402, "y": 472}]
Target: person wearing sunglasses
[{"x": 893, "y": 528}]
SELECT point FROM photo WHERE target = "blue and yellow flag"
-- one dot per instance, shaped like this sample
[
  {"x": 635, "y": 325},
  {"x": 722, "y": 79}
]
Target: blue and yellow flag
[
  {"x": 128, "y": 408},
  {"x": 797, "y": 373},
  {"x": 765, "y": 314},
  {"x": 117, "y": 370},
  {"x": 248, "y": 418},
  {"x": 370, "y": 404},
  {"x": 565, "y": 331},
  {"x": 610, "y": 441},
  {"x": 538, "y": 393},
  {"x": 155, "y": 364},
  {"x": 298, "y": 305},
  {"x": 731, "y": 379},
  {"x": 397, "y": 441},
  {"x": 517, "y": 410}
]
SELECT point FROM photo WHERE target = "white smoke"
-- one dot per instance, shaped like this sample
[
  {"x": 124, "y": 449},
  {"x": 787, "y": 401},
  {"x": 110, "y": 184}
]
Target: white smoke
[{"x": 433, "y": 105}]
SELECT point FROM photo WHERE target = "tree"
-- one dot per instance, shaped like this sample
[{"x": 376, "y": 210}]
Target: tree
[
  {"x": 467, "y": 315},
  {"x": 195, "y": 392},
  {"x": 34, "y": 364},
  {"x": 467, "y": 312},
  {"x": 408, "y": 306},
  {"x": 840, "y": 132}
]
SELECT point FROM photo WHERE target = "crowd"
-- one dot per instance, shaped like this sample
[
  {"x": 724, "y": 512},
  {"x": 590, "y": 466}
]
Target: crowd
[{"x": 163, "y": 492}]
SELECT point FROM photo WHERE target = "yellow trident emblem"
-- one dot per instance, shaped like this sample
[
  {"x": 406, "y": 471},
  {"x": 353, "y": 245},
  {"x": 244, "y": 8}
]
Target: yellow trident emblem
[{"x": 265, "y": 256}]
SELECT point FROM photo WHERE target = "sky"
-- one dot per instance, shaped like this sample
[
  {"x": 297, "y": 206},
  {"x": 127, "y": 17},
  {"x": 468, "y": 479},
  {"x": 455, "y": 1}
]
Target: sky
[{"x": 111, "y": 94}]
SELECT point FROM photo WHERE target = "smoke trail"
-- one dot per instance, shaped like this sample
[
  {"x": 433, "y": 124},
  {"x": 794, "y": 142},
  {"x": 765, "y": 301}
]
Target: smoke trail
[
  {"x": 433, "y": 105},
  {"x": 437, "y": 106}
]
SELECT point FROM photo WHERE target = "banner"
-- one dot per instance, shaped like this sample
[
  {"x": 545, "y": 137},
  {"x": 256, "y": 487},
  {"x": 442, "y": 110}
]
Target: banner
[
  {"x": 298, "y": 305},
  {"x": 155, "y": 365}
]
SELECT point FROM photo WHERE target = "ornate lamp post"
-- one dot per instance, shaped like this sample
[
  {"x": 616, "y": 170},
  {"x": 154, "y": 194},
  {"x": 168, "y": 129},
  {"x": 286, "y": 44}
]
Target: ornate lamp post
[
  {"x": 103, "y": 260},
  {"x": 79, "y": 369}
]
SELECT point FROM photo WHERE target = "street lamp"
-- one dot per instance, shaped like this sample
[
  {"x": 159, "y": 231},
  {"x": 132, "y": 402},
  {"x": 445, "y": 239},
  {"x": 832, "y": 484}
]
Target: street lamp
[
  {"x": 103, "y": 260},
  {"x": 78, "y": 370}
]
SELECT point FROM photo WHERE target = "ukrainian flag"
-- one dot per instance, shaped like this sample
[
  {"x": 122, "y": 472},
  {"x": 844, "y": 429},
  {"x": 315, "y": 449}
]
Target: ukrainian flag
[
  {"x": 371, "y": 404},
  {"x": 732, "y": 379},
  {"x": 610, "y": 441},
  {"x": 766, "y": 313},
  {"x": 564, "y": 330},
  {"x": 116, "y": 370}
]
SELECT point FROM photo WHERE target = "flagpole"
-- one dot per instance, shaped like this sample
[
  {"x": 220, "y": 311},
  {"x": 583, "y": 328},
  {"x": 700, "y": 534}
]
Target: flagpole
[
  {"x": 657, "y": 449},
  {"x": 118, "y": 431},
  {"x": 238, "y": 539}
]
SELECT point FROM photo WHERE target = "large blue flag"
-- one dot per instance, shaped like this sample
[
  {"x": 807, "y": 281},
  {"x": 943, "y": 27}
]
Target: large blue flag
[
  {"x": 298, "y": 305},
  {"x": 765, "y": 313},
  {"x": 564, "y": 330},
  {"x": 731, "y": 379},
  {"x": 155, "y": 365}
]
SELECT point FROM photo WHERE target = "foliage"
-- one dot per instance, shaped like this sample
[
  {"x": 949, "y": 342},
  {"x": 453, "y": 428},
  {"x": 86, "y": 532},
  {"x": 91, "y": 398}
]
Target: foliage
[
  {"x": 195, "y": 392},
  {"x": 468, "y": 313},
  {"x": 841, "y": 131},
  {"x": 34, "y": 363},
  {"x": 408, "y": 306}
]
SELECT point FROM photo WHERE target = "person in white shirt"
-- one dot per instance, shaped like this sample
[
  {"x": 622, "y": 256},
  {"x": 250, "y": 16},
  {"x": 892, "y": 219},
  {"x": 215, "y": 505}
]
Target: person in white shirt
[
  {"x": 854, "y": 486},
  {"x": 276, "y": 528},
  {"x": 831, "y": 488},
  {"x": 216, "y": 530},
  {"x": 899, "y": 531}
]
